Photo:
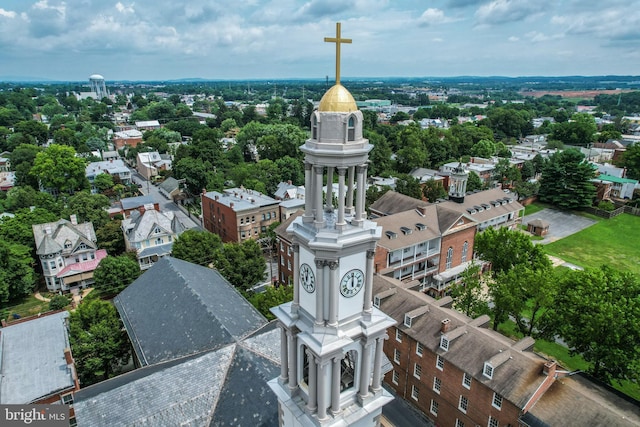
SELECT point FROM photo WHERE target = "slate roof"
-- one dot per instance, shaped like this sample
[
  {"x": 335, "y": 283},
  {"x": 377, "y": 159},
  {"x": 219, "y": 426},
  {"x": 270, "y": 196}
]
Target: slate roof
[
  {"x": 170, "y": 184},
  {"x": 392, "y": 202},
  {"x": 61, "y": 231},
  {"x": 486, "y": 197},
  {"x": 139, "y": 227},
  {"x": 516, "y": 379},
  {"x": 178, "y": 308},
  {"x": 599, "y": 405},
  {"x": 135, "y": 202},
  {"x": 223, "y": 387},
  {"x": 33, "y": 364}
]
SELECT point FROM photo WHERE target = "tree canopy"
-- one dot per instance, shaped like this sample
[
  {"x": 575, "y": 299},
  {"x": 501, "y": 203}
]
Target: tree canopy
[
  {"x": 565, "y": 180},
  {"x": 198, "y": 247},
  {"x": 115, "y": 273},
  {"x": 99, "y": 343},
  {"x": 17, "y": 276},
  {"x": 242, "y": 264},
  {"x": 58, "y": 169}
]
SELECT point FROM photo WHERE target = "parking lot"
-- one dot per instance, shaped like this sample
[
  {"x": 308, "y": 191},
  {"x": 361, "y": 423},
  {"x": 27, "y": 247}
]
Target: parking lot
[{"x": 561, "y": 223}]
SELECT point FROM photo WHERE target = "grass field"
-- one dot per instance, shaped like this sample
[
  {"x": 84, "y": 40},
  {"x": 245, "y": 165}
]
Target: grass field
[
  {"x": 612, "y": 242},
  {"x": 26, "y": 307}
]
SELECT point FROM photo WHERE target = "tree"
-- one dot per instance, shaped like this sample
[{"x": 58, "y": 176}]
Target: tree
[
  {"x": 88, "y": 208},
  {"x": 17, "y": 276},
  {"x": 468, "y": 295},
  {"x": 58, "y": 302},
  {"x": 193, "y": 171},
  {"x": 115, "y": 273},
  {"x": 566, "y": 180},
  {"x": 103, "y": 182},
  {"x": 18, "y": 229},
  {"x": 483, "y": 148},
  {"x": 198, "y": 247},
  {"x": 597, "y": 312},
  {"x": 580, "y": 131},
  {"x": 409, "y": 186},
  {"x": 57, "y": 168},
  {"x": 474, "y": 182},
  {"x": 22, "y": 158},
  {"x": 505, "y": 249},
  {"x": 110, "y": 237},
  {"x": 242, "y": 264},
  {"x": 98, "y": 341},
  {"x": 433, "y": 190},
  {"x": 271, "y": 297},
  {"x": 37, "y": 130},
  {"x": 631, "y": 161},
  {"x": 523, "y": 290}
]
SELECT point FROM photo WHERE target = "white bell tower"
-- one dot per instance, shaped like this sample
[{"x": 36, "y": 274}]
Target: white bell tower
[{"x": 332, "y": 336}]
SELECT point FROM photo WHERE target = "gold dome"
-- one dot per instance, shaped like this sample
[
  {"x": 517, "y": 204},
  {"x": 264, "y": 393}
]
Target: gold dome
[{"x": 338, "y": 100}]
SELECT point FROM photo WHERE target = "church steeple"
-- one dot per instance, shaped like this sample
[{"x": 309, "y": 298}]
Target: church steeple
[{"x": 332, "y": 336}]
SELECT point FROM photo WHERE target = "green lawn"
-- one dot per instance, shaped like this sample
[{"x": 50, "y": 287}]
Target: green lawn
[
  {"x": 613, "y": 242},
  {"x": 535, "y": 207},
  {"x": 26, "y": 307}
]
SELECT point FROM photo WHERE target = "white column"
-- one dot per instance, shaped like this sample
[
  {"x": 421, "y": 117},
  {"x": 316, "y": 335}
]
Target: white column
[
  {"x": 333, "y": 293},
  {"x": 368, "y": 282},
  {"x": 317, "y": 193},
  {"x": 335, "y": 385},
  {"x": 377, "y": 365},
  {"x": 308, "y": 199},
  {"x": 293, "y": 376},
  {"x": 329, "y": 188},
  {"x": 362, "y": 192},
  {"x": 313, "y": 380},
  {"x": 296, "y": 279},
  {"x": 320, "y": 292},
  {"x": 322, "y": 397},
  {"x": 341, "y": 195},
  {"x": 359, "y": 205},
  {"x": 350, "y": 189},
  {"x": 284, "y": 361},
  {"x": 365, "y": 370}
]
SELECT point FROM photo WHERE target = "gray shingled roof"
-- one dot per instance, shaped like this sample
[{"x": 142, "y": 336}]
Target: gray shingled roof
[
  {"x": 516, "y": 380},
  {"x": 223, "y": 387},
  {"x": 392, "y": 202},
  {"x": 33, "y": 362},
  {"x": 177, "y": 308}
]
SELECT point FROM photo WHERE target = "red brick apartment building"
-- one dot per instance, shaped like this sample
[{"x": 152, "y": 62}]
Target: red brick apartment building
[
  {"x": 238, "y": 214},
  {"x": 285, "y": 250},
  {"x": 431, "y": 244},
  {"x": 462, "y": 374}
]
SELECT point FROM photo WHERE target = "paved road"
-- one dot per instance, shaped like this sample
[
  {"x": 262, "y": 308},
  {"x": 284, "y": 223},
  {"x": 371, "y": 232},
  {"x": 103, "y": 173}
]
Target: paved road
[
  {"x": 561, "y": 223},
  {"x": 164, "y": 203}
]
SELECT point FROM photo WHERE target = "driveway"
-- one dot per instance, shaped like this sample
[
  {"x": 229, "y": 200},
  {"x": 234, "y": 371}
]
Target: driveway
[{"x": 561, "y": 223}]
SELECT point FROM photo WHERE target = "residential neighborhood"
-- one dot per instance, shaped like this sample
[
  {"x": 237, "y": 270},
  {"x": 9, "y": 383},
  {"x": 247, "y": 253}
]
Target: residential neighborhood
[{"x": 189, "y": 254}]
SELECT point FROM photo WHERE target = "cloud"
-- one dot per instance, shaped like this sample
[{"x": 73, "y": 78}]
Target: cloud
[
  {"x": 621, "y": 24},
  {"x": 322, "y": 8},
  {"x": 464, "y": 3},
  {"x": 433, "y": 16},
  {"x": 505, "y": 11},
  {"x": 124, "y": 9},
  {"x": 7, "y": 13},
  {"x": 537, "y": 37},
  {"x": 513, "y": 39}
]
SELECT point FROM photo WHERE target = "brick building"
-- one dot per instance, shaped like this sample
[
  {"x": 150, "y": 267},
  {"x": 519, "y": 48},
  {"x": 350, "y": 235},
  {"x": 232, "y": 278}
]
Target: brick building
[
  {"x": 430, "y": 244},
  {"x": 454, "y": 369},
  {"x": 490, "y": 208},
  {"x": 238, "y": 214},
  {"x": 285, "y": 250}
]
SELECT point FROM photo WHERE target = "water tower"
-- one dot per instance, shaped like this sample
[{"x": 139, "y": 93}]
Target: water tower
[{"x": 96, "y": 81}]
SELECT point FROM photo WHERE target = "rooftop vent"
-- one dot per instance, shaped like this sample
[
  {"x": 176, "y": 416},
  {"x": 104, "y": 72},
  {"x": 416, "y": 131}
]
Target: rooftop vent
[
  {"x": 391, "y": 234},
  {"x": 406, "y": 230},
  {"x": 420, "y": 226},
  {"x": 471, "y": 211}
]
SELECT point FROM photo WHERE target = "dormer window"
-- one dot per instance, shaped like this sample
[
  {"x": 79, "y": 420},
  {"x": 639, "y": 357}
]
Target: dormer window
[
  {"x": 406, "y": 230},
  {"x": 407, "y": 321},
  {"x": 391, "y": 234},
  {"x": 157, "y": 230},
  {"x": 420, "y": 226},
  {"x": 67, "y": 244},
  {"x": 376, "y": 302},
  {"x": 444, "y": 343},
  {"x": 488, "y": 370}
]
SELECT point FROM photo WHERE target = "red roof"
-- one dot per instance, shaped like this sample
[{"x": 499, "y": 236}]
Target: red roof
[{"x": 84, "y": 266}]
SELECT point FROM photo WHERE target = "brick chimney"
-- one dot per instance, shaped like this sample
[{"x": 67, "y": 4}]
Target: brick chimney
[
  {"x": 74, "y": 219},
  {"x": 67, "y": 356},
  {"x": 549, "y": 368},
  {"x": 444, "y": 327}
]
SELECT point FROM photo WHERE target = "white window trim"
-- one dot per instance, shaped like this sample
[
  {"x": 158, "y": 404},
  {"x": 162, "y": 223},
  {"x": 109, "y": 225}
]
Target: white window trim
[
  {"x": 395, "y": 377},
  {"x": 463, "y": 410},
  {"x": 417, "y": 370},
  {"x": 419, "y": 349},
  {"x": 415, "y": 394},
  {"x": 407, "y": 321},
  {"x": 487, "y": 371},
  {"x": 444, "y": 343},
  {"x": 396, "y": 355},
  {"x": 437, "y": 381},
  {"x": 433, "y": 408},
  {"x": 459, "y": 423},
  {"x": 498, "y": 398},
  {"x": 489, "y": 424},
  {"x": 464, "y": 377},
  {"x": 439, "y": 363},
  {"x": 398, "y": 335}
]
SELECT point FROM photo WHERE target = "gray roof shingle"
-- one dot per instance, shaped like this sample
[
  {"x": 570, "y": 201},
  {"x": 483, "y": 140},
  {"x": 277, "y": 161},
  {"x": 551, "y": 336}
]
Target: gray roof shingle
[{"x": 177, "y": 308}]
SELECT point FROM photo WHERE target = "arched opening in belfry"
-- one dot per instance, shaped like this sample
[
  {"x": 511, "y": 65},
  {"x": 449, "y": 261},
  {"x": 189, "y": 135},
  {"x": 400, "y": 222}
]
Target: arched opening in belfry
[{"x": 348, "y": 370}]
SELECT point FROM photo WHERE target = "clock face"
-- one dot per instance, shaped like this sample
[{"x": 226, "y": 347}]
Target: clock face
[
  {"x": 307, "y": 278},
  {"x": 351, "y": 283}
]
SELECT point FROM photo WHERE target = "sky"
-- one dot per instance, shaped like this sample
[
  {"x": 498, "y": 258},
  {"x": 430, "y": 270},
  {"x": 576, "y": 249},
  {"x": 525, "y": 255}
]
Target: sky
[{"x": 281, "y": 39}]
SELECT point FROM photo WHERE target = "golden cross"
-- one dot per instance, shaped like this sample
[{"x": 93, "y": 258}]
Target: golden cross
[{"x": 338, "y": 41}]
